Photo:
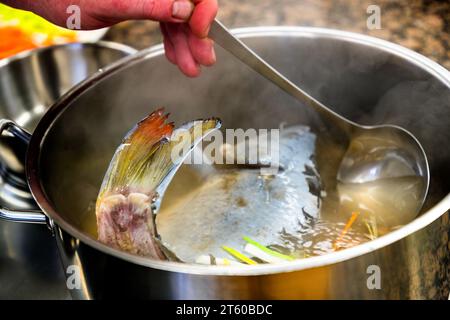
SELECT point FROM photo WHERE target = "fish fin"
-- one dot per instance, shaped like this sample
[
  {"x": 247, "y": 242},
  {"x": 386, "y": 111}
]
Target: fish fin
[
  {"x": 137, "y": 149},
  {"x": 144, "y": 161},
  {"x": 171, "y": 156}
]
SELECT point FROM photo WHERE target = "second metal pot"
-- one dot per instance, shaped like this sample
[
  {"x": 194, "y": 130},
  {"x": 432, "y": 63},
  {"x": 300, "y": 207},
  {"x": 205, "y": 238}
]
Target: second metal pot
[{"x": 30, "y": 83}]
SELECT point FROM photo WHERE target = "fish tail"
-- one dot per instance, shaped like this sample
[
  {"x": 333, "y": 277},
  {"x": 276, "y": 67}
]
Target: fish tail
[
  {"x": 137, "y": 149},
  {"x": 145, "y": 161},
  {"x": 140, "y": 170},
  {"x": 171, "y": 156}
]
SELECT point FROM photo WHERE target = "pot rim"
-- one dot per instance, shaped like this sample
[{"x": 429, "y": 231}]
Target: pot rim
[{"x": 32, "y": 161}]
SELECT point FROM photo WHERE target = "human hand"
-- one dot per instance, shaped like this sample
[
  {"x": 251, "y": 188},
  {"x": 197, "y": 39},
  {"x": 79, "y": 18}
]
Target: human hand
[{"x": 184, "y": 23}]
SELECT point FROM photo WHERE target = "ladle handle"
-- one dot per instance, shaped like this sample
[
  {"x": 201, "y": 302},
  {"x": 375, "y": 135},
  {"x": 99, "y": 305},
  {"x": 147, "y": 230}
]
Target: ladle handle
[
  {"x": 19, "y": 215},
  {"x": 220, "y": 34}
]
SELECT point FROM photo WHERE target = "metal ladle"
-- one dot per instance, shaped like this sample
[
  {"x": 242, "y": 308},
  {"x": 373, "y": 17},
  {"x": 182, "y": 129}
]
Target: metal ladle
[{"x": 373, "y": 152}]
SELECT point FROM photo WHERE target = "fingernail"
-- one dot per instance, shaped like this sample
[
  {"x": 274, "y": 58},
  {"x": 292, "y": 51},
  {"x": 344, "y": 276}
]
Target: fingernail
[
  {"x": 207, "y": 30},
  {"x": 182, "y": 9}
]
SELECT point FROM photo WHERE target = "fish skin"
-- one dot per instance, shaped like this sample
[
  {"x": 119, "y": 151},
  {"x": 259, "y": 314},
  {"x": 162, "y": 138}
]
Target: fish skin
[
  {"x": 233, "y": 203},
  {"x": 141, "y": 167}
]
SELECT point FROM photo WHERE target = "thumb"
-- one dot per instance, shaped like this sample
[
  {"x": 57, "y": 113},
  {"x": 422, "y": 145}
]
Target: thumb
[
  {"x": 170, "y": 10},
  {"x": 108, "y": 12},
  {"x": 159, "y": 10}
]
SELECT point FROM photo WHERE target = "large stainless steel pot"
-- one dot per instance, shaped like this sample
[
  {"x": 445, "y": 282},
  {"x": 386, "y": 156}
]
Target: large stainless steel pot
[
  {"x": 30, "y": 82},
  {"x": 366, "y": 79}
]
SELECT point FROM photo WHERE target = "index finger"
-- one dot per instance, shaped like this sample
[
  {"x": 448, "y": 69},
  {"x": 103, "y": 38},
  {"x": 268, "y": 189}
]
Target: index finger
[{"x": 204, "y": 13}]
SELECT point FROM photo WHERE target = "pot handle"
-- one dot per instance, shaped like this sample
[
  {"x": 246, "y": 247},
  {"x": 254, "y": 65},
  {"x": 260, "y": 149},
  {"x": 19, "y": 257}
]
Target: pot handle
[
  {"x": 23, "y": 216},
  {"x": 19, "y": 215}
]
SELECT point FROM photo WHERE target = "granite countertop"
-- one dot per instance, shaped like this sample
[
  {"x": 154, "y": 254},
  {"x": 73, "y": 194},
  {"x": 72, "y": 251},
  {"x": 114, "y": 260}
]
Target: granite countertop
[{"x": 421, "y": 25}]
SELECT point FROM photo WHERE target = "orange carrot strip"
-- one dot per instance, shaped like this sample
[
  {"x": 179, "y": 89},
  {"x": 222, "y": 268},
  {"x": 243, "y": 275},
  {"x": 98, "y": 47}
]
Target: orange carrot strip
[{"x": 346, "y": 228}]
